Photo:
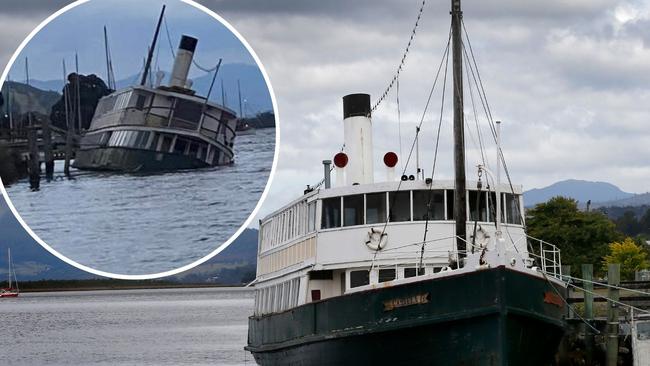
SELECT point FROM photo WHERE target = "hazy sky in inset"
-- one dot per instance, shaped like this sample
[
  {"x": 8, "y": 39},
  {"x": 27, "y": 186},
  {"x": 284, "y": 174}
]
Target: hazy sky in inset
[
  {"x": 569, "y": 79},
  {"x": 131, "y": 26}
]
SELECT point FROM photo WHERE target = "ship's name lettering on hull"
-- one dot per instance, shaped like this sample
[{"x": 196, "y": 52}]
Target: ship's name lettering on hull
[{"x": 406, "y": 301}]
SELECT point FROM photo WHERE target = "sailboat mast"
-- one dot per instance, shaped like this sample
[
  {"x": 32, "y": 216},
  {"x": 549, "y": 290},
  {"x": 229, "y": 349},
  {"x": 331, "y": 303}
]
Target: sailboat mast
[
  {"x": 460, "y": 192},
  {"x": 147, "y": 65},
  {"x": 9, "y": 260},
  {"x": 241, "y": 115},
  {"x": 108, "y": 60}
]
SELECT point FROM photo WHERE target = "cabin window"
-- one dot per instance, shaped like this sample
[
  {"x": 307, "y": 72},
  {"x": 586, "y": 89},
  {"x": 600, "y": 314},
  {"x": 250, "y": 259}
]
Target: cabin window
[
  {"x": 375, "y": 208},
  {"x": 194, "y": 149},
  {"x": 353, "y": 210},
  {"x": 188, "y": 111},
  {"x": 400, "y": 206},
  {"x": 315, "y": 295},
  {"x": 321, "y": 275},
  {"x": 435, "y": 199},
  {"x": 450, "y": 204},
  {"x": 311, "y": 220},
  {"x": 512, "y": 210},
  {"x": 166, "y": 143},
  {"x": 216, "y": 157},
  {"x": 179, "y": 146},
  {"x": 105, "y": 138},
  {"x": 412, "y": 272},
  {"x": 140, "y": 101},
  {"x": 105, "y": 105},
  {"x": 387, "y": 274},
  {"x": 492, "y": 206},
  {"x": 359, "y": 278},
  {"x": 331, "y": 213},
  {"x": 477, "y": 206},
  {"x": 437, "y": 269}
]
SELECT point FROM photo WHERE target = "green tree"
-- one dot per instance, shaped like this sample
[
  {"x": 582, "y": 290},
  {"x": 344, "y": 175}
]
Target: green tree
[
  {"x": 583, "y": 237},
  {"x": 631, "y": 257}
]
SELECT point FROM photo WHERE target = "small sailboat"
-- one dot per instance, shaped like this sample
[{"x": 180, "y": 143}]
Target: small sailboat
[{"x": 12, "y": 288}]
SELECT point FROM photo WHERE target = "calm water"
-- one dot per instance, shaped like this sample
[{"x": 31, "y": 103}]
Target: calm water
[
  {"x": 128, "y": 327},
  {"x": 137, "y": 224}
]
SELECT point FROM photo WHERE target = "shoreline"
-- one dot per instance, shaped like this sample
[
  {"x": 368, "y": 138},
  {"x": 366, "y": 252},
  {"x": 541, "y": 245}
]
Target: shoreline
[{"x": 106, "y": 285}]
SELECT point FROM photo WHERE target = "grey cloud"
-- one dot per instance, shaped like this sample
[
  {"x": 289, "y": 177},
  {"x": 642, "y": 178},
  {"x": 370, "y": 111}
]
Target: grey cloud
[{"x": 29, "y": 8}]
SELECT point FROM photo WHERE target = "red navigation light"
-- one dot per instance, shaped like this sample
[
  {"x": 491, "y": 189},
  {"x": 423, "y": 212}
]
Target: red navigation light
[
  {"x": 340, "y": 160},
  {"x": 390, "y": 159}
]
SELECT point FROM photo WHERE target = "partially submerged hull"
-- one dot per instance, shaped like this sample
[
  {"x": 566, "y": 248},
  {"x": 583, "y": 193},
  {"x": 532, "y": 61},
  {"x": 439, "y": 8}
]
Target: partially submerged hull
[
  {"x": 487, "y": 317},
  {"x": 133, "y": 160}
]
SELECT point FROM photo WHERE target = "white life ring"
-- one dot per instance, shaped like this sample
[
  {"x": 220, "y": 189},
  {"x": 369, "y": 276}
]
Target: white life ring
[{"x": 376, "y": 239}]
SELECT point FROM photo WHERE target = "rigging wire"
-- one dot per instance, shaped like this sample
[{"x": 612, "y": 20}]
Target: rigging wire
[
  {"x": 171, "y": 48},
  {"x": 399, "y": 122},
  {"x": 402, "y": 62},
  {"x": 445, "y": 57},
  {"x": 435, "y": 158}
]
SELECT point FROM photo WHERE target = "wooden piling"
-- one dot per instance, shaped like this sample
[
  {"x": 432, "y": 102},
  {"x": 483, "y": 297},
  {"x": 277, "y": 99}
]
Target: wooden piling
[
  {"x": 588, "y": 275},
  {"x": 47, "y": 149},
  {"x": 566, "y": 271},
  {"x": 613, "y": 278},
  {"x": 34, "y": 159}
]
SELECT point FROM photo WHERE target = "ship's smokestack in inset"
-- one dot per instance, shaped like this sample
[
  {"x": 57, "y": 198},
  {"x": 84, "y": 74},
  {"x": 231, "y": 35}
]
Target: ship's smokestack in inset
[
  {"x": 358, "y": 138},
  {"x": 183, "y": 62}
]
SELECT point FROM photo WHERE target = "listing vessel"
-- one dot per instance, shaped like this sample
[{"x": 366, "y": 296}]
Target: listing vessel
[
  {"x": 406, "y": 271},
  {"x": 12, "y": 283},
  {"x": 159, "y": 127}
]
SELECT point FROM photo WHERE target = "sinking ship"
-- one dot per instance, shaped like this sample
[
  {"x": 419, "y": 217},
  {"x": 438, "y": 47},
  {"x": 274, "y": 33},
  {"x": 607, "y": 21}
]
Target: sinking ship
[
  {"x": 167, "y": 127},
  {"x": 406, "y": 271}
]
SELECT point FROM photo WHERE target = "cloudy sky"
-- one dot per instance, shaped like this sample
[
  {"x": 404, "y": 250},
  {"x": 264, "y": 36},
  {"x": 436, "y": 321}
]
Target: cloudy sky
[
  {"x": 130, "y": 31},
  {"x": 569, "y": 79}
]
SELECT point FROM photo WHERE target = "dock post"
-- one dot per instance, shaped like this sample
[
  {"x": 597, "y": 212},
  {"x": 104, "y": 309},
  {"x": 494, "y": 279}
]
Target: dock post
[
  {"x": 47, "y": 149},
  {"x": 588, "y": 275},
  {"x": 34, "y": 165},
  {"x": 613, "y": 278},
  {"x": 566, "y": 271}
]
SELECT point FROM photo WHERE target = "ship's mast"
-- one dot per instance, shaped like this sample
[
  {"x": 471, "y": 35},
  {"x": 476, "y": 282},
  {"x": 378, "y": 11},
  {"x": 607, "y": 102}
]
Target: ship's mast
[
  {"x": 147, "y": 65},
  {"x": 460, "y": 193}
]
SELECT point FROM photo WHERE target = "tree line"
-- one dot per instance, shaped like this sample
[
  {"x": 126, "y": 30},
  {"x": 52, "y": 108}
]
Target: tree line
[{"x": 590, "y": 237}]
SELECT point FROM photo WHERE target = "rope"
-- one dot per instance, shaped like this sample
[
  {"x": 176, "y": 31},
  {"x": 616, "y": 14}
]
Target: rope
[
  {"x": 401, "y": 64},
  {"x": 171, "y": 49},
  {"x": 399, "y": 121},
  {"x": 608, "y": 285},
  {"x": 435, "y": 156},
  {"x": 408, "y": 159}
]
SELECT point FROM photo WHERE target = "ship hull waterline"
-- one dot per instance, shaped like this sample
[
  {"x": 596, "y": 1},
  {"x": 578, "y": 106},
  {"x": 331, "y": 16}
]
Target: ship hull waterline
[
  {"x": 128, "y": 160},
  {"x": 493, "y": 317}
]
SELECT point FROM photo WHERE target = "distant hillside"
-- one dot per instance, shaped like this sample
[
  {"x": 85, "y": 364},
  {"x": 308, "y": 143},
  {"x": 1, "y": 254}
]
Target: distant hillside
[
  {"x": 235, "y": 265},
  {"x": 27, "y": 98},
  {"x": 632, "y": 201},
  {"x": 579, "y": 190},
  {"x": 253, "y": 88}
]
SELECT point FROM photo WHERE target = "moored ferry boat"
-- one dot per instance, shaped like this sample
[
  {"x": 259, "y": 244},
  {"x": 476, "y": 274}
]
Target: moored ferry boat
[
  {"x": 145, "y": 128},
  {"x": 405, "y": 271}
]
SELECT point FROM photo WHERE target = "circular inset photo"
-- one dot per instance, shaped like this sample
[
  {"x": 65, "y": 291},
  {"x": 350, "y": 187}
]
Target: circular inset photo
[{"x": 137, "y": 138}]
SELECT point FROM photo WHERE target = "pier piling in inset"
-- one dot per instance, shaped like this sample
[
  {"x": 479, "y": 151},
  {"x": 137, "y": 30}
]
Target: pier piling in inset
[
  {"x": 47, "y": 149},
  {"x": 34, "y": 166}
]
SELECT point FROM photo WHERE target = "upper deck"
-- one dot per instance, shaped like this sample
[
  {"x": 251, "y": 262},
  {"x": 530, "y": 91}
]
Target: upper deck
[{"x": 339, "y": 227}]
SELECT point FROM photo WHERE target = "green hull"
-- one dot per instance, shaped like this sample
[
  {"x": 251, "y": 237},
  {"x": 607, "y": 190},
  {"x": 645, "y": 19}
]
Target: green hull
[
  {"x": 133, "y": 160},
  {"x": 490, "y": 317}
]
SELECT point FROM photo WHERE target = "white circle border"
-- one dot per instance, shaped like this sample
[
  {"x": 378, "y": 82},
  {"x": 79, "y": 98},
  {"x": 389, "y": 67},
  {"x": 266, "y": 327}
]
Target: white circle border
[{"x": 210, "y": 255}]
